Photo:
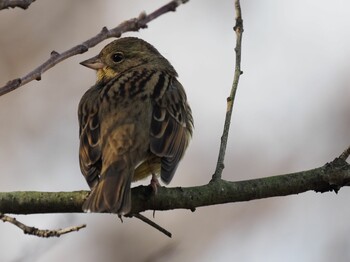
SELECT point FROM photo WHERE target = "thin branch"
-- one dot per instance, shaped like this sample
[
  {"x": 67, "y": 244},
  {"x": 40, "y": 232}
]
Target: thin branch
[
  {"x": 134, "y": 24},
  {"x": 39, "y": 232},
  {"x": 230, "y": 100},
  {"x": 24, "y": 4},
  {"x": 152, "y": 224},
  {"x": 345, "y": 154},
  {"x": 330, "y": 177}
]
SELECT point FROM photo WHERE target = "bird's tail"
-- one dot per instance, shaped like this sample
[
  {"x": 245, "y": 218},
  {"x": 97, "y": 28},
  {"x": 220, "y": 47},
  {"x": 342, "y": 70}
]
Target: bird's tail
[{"x": 112, "y": 193}]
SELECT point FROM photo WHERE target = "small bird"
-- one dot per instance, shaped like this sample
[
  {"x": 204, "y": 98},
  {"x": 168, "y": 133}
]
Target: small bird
[{"x": 133, "y": 123}]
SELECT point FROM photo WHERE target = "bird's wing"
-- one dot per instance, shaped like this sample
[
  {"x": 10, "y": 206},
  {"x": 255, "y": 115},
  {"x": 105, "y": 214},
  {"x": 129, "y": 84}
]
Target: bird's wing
[
  {"x": 89, "y": 132},
  {"x": 171, "y": 125}
]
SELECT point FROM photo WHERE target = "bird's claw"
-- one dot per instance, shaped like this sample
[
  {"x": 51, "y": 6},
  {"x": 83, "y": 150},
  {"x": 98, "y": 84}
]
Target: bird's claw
[{"x": 154, "y": 184}]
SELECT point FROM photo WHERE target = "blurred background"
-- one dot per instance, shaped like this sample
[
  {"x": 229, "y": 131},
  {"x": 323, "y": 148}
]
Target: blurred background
[{"x": 291, "y": 113}]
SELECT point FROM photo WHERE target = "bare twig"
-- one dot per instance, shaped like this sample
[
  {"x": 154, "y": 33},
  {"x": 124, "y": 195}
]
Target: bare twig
[
  {"x": 239, "y": 31},
  {"x": 345, "y": 154},
  {"x": 152, "y": 224},
  {"x": 24, "y": 4},
  {"x": 134, "y": 24},
  {"x": 39, "y": 232}
]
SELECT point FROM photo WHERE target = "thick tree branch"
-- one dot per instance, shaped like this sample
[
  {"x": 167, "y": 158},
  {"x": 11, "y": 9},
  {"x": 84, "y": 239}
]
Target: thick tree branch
[
  {"x": 330, "y": 177},
  {"x": 24, "y": 4},
  {"x": 230, "y": 100},
  {"x": 134, "y": 24}
]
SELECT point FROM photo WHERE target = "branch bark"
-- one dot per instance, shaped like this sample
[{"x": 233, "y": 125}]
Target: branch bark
[
  {"x": 134, "y": 24},
  {"x": 24, "y": 4},
  {"x": 46, "y": 233},
  {"x": 330, "y": 177}
]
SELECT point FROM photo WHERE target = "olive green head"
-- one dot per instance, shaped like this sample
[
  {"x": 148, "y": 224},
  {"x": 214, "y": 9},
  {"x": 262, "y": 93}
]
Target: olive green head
[{"x": 124, "y": 54}]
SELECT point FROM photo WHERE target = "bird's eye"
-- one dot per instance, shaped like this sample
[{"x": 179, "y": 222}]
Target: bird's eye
[{"x": 117, "y": 57}]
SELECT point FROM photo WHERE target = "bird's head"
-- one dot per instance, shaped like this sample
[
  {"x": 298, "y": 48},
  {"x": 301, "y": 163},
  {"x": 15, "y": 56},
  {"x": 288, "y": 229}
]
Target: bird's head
[{"x": 124, "y": 54}]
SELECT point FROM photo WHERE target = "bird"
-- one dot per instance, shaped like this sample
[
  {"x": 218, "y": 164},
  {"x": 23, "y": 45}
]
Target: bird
[{"x": 134, "y": 122}]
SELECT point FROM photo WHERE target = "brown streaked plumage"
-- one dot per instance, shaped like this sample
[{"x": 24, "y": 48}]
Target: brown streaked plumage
[{"x": 134, "y": 122}]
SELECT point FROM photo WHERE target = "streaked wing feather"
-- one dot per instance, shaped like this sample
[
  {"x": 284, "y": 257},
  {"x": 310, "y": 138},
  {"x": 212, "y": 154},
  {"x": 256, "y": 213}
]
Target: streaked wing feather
[
  {"x": 171, "y": 128},
  {"x": 89, "y": 129}
]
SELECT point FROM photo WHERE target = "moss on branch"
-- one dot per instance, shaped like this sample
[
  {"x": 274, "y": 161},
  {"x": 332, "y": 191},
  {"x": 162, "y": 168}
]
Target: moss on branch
[{"x": 330, "y": 177}]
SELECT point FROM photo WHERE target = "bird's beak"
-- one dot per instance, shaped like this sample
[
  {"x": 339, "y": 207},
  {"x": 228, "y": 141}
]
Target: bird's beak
[{"x": 93, "y": 63}]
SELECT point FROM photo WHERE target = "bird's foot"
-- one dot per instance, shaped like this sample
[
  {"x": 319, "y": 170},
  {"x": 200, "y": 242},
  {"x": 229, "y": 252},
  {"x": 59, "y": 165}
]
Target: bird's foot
[{"x": 154, "y": 184}]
